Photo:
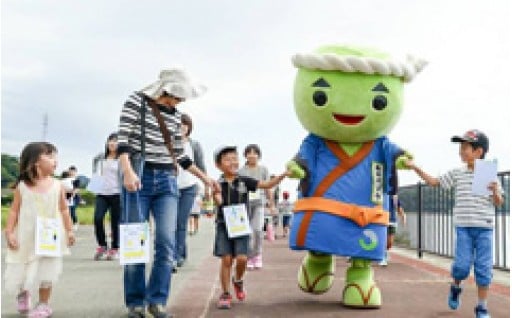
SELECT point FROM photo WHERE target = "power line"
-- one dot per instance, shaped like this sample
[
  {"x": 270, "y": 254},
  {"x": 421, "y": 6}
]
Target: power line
[{"x": 45, "y": 126}]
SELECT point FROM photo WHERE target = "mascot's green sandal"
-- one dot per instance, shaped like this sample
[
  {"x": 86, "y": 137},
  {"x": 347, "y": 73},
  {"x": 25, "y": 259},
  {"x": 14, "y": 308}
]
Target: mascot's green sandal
[
  {"x": 316, "y": 273},
  {"x": 348, "y": 99}
]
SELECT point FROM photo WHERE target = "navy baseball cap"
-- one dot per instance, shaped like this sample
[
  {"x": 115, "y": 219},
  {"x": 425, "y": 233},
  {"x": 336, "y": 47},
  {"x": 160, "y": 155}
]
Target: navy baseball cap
[{"x": 474, "y": 137}]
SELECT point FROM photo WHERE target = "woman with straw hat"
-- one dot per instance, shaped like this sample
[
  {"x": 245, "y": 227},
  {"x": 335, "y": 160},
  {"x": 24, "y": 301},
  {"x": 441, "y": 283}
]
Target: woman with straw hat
[{"x": 149, "y": 155}]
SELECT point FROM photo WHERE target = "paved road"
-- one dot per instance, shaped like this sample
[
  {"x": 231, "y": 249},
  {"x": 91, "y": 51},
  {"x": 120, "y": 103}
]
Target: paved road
[
  {"x": 411, "y": 288},
  {"x": 91, "y": 288}
]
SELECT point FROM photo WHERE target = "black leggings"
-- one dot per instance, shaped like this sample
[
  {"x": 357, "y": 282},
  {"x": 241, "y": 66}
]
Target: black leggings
[{"x": 103, "y": 204}]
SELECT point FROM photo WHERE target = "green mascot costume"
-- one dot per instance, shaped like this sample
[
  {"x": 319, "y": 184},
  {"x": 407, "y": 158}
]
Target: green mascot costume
[{"x": 348, "y": 99}]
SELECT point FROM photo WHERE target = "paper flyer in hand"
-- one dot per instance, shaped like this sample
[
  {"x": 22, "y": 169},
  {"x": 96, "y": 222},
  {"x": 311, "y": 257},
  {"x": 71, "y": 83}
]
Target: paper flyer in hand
[{"x": 486, "y": 171}]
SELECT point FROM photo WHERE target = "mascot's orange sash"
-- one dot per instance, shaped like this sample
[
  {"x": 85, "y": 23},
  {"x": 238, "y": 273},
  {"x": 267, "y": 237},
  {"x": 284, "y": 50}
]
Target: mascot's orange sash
[{"x": 361, "y": 215}]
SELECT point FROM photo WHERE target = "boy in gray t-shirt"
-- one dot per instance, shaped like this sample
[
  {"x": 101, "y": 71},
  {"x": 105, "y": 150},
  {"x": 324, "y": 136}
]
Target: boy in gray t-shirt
[{"x": 473, "y": 219}]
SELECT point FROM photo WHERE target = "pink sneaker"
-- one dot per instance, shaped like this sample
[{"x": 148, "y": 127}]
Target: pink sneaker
[
  {"x": 258, "y": 261},
  {"x": 23, "y": 300},
  {"x": 112, "y": 254},
  {"x": 100, "y": 254},
  {"x": 42, "y": 310},
  {"x": 239, "y": 289},
  {"x": 250, "y": 263},
  {"x": 224, "y": 301}
]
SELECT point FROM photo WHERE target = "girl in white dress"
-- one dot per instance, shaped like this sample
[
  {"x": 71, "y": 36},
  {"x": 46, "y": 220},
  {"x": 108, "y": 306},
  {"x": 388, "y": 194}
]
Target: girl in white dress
[{"x": 37, "y": 194}]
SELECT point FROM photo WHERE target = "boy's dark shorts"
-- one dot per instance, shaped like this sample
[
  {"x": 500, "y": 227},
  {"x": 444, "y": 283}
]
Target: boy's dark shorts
[{"x": 226, "y": 246}]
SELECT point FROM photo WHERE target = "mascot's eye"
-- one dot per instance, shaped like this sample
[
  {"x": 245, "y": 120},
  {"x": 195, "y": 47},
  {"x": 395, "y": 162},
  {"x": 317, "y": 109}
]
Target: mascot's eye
[
  {"x": 379, "y": 102},
  {"x": 320, "y": 98}
]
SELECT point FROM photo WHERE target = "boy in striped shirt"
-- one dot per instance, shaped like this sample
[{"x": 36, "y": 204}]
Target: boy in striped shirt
[{"x": 473, "y": 217}]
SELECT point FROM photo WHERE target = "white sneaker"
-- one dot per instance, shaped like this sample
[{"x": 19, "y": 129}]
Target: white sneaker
[
  {"x": 383, "y": 263},
  {"x": 75, "y": 227}
]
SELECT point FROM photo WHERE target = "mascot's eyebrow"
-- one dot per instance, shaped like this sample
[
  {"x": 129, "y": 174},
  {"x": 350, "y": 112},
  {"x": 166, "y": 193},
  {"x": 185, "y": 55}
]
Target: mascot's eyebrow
[
  {"x": 380, "y": 88},
  {"x": 321, "y": 83}
]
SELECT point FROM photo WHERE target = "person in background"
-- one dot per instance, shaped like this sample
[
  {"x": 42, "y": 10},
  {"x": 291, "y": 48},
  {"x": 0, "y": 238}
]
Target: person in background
[
  {"x": 254, "y": 169},
  {"x": 208, "y": 204},
  {"x": 107, "y": 199},
  {"x": 187, "y": 189},
  {"x": 75, "y": 199},
  {"x": 271, "y": 222},
  {"x": 67, "y": 184},
  {"x": 285, "y": 208},
  {"x": 195, "y": 213},
  {"x": 395, "y": 208},
  {"x": 276, "y": 192}
]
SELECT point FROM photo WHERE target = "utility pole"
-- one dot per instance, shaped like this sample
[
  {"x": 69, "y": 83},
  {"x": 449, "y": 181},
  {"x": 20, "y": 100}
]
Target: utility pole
[{"x": 45, "y": 126}]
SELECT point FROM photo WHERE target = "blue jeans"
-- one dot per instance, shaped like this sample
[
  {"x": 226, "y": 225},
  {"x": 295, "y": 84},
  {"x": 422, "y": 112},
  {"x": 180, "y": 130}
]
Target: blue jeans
[
  {"x": 159, "y": 194},
  {"x": 474, "y": 245},
  {"x": 185, "y": 202}
]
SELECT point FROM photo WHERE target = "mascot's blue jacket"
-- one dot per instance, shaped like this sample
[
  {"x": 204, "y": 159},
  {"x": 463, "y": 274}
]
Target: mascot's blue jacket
[{"x": 359, "y": 185}]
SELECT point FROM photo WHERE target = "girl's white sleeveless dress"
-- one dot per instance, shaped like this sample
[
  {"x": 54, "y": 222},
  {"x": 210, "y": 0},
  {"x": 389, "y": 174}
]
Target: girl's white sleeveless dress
[{"x": 24, "y": 269}]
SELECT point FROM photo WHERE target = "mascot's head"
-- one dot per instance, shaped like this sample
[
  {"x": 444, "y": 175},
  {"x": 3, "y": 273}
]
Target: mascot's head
[{"x": 348, "y": 94}]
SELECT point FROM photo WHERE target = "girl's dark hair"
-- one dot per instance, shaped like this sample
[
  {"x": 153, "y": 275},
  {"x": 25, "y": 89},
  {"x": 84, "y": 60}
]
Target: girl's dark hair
[
  {"x": 112, "y": 136},
  {"x": 186, "y": 120},
  {"x": 252, "y": 147},
  {"x": 29, "y": 157}
]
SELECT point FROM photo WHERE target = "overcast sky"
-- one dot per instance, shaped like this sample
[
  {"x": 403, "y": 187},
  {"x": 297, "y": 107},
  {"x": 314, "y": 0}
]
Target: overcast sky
[{"x": 77, "y": 61}]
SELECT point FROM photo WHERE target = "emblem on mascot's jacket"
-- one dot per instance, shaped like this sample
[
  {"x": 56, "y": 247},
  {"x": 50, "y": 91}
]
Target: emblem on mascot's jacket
[{"x": 373, "y": 240}]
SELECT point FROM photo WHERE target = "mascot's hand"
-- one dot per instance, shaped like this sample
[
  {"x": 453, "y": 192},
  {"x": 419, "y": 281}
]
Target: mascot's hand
[
  {"x": 296, "y": 172},
  {"x": 400, "y": 162}
]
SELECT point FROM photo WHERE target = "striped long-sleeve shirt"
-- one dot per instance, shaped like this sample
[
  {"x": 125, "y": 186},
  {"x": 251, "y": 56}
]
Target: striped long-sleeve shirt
[
  {"x": 129, "y": 137},
  {"x": 470, "y": 210}
]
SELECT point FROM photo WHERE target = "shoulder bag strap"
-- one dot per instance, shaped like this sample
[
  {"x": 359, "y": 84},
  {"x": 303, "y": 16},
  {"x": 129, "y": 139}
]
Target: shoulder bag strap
[
  {"x": 165, "y": 132},
  {"x": 143, "y": 104}
]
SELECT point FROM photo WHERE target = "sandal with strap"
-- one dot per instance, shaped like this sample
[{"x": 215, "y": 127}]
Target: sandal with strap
[{"x": 316, "y": 273}]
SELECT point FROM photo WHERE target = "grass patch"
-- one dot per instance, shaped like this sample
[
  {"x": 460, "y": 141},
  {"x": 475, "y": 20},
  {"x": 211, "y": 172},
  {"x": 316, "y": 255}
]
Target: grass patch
[
  {"x": 85, "y": 214},
  {"x": 5, "y": 210},
  {"x": 402, "y": 239}
]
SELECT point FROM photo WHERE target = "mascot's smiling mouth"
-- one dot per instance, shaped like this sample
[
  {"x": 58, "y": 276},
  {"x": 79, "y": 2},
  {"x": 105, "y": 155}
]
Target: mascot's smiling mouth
[{"x": 348, "y": 119}]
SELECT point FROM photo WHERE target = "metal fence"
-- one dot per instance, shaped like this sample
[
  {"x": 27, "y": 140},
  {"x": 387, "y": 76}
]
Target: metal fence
[{"x": 430, "y": 221}]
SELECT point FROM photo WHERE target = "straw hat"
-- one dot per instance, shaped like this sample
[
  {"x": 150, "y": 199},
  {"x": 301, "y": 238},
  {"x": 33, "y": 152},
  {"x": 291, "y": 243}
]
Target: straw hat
[{"x": 175, "y": 82}]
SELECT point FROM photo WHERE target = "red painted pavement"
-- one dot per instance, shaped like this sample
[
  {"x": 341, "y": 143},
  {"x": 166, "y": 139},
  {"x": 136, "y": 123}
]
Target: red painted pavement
[{"x": 410, "y": 288}]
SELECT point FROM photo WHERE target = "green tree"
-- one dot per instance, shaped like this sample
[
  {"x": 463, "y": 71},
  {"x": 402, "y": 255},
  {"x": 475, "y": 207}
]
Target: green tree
[{"x": 10, "y": 169}]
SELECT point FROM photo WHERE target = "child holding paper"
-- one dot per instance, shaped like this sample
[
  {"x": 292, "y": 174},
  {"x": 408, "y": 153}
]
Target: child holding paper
[
  {"x": 234, "y": 192},
  {"x": 473, "y": 217},
  {"x": 34, "y": 260}
]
